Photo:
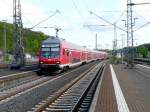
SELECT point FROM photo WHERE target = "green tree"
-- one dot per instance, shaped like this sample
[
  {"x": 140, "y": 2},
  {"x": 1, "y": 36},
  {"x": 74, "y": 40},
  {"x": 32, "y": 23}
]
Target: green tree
[
  {"x": 32, "y": 39},
  {"x": 143, "y": 51}
]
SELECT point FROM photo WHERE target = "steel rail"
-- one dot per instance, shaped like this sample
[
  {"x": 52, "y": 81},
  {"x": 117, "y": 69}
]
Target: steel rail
[
  {"x": 43, "y": 105},
  {"x": 94, "y": 81},
  {"x": 29, "y": 86},
  {"x": 15, "y": 76}
]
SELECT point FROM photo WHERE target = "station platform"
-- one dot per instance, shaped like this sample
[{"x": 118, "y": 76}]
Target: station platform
[{"x": 124, "y": 90}]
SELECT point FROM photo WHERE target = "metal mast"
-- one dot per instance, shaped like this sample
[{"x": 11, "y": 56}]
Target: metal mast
[
  {"x": 96, "y": 42},
  {"x": 115, "y": 40},
  {"x": 19, "y": 59},
  {"x": 130, "y": 58},
  {"x": 4, "y": 40}
]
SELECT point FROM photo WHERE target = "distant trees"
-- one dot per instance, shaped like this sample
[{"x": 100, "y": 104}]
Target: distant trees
[
  {"x": 32, "y": 39},
  {"x": 143, "y": 51}
]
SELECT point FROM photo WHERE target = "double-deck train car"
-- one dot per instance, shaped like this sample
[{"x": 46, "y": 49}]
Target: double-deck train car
[{"x": 59, "y": 54}]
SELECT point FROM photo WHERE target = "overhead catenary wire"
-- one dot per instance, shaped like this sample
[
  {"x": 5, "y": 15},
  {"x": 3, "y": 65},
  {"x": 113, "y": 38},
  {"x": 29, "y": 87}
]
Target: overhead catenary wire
[
  {"x": 28, "y": 20},
  {"x": 86, "y": 5},
  {"x": 107, "y": 21},
  {"x": 57, "y": 11},
  {"x": 119, "y": 17},
  {"x": 77, "y": 9},
  {"x": 147, "y": 22},
  {"x": 115, "y": 11},
  {"x": 141, "y": 26},
  {"x": 54, "y": 27},
  {"x": 140, "y": 16},
  {"x": 31, "y": 23},
  {"x": 35, "y": 13}
]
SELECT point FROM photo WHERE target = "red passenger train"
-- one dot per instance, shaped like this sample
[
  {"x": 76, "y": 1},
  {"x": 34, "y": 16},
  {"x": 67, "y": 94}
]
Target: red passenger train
[{"x": 59, "y": 54}]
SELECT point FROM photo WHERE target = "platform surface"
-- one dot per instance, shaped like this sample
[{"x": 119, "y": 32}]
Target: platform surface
[{"x": 134, "y": 92}]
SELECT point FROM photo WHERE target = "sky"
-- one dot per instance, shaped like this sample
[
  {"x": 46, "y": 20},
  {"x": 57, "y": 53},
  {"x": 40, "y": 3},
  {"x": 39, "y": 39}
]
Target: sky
[{"x": 77, "y": 24}]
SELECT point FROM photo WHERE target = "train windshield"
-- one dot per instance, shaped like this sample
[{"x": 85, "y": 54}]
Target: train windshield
[{"x": 50, "y": 51}]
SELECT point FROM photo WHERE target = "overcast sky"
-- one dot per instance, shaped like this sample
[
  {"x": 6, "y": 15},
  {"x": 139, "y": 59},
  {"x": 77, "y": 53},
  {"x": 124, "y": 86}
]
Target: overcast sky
[{"x": 75, "y": 17}]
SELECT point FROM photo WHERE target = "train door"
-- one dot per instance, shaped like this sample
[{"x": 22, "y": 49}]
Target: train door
[
  {"x": 67, "y": 56},
  {"x": 70, "y": 57}
]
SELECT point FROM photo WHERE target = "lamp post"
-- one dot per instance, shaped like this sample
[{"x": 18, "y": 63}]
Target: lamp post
[
  {"x": 130, "y": 59},
  {"x": 122, "y": 51},
  {"x": 4, "y": 40},
  {"x": 96, "y": 43}
]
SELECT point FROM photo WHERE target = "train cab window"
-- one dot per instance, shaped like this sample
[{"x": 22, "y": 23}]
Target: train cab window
[{"x": 50, "y": 51}]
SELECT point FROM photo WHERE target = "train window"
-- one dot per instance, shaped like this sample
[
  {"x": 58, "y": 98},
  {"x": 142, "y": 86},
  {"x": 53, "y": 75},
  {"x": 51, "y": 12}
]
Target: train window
[
  {"x": 55, "y": 49},
  {"x": 50, "y": 45},
  {"x": 50, "y": 52},
  {"x": 45, "y": 49}
]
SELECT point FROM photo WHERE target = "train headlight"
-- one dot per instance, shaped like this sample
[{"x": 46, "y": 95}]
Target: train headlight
[
  {"x": 58, "y": 62},
  {"x": 41, "y": 62}
]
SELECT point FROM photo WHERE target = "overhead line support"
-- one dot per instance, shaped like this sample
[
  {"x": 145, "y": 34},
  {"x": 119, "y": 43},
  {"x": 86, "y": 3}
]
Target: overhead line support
[
  {"x": 19, "y": 56},
  {"x": 130, "y": 58}
]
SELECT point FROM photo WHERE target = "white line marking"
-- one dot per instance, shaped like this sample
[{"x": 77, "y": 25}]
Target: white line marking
[
  {"x": 143, "y": 66},
  {"x": 121, "y": 102}
]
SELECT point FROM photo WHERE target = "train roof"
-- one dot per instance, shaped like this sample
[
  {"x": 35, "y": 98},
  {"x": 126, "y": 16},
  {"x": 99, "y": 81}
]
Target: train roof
[{"x": 53, "y": 39}]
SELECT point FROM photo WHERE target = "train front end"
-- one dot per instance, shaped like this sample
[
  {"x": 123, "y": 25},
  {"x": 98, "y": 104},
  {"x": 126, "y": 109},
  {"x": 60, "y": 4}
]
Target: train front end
[{"x": 49, "y": 55}]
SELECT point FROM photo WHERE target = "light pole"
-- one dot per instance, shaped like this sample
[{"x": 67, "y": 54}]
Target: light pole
[
  {"x": 115, "y": 37},
  {"x": 96, "y": 41},
  {"x": 127, "y": 50},
  {"x": 122, "y": 51},
  {"x": 130, "y": 58},
  {"x": 4, "y": 40}
]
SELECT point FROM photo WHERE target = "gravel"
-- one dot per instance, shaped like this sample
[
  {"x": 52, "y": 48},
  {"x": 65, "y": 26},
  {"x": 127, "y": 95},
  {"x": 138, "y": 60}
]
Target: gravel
[{"x": 26, "y": 101}]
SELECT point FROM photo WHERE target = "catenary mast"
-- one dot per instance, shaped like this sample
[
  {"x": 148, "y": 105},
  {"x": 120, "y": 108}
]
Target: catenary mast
[
  {"x": 130, "y": 55},
  {"x": 19, "y": 57}
]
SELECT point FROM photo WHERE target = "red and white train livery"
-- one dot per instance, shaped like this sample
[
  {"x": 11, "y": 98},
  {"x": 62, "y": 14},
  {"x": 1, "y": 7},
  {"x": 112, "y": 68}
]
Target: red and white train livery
[{"x": 56, "y": 53}]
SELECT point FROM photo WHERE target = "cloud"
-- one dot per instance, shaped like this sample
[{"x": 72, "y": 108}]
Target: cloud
[
  {"x": 72, "y": 24},
  {"x": 31, "y": 14},
  {"x": 6, "y": 10}
]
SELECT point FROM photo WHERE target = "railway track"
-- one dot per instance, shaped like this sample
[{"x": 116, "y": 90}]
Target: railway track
[
  {"x": 13, "y": 80},
  {"x": 11, "y": 84},
  {"x": 75, "y": 96},
  {"x": 30, "y": 94},
  {"x": 14, "y": 84}
]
